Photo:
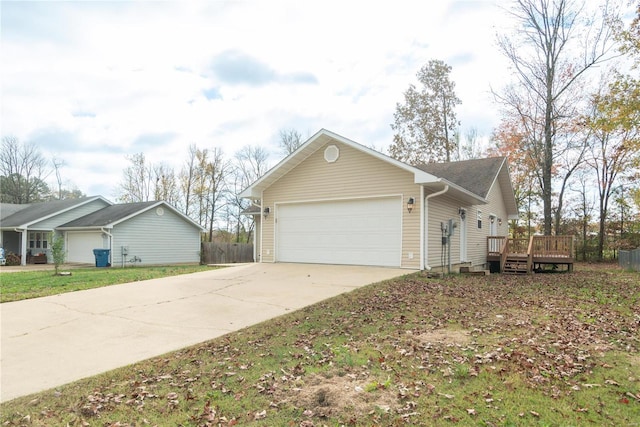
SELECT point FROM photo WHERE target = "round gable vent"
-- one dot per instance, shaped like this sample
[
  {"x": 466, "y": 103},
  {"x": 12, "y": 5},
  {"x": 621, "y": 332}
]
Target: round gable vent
[
  {"x": 159, "y": 211},
  {"x": 331, "y": 153}
]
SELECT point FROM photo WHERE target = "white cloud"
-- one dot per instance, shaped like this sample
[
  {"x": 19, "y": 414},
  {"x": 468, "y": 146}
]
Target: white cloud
[{"x": 91, "y": 80}]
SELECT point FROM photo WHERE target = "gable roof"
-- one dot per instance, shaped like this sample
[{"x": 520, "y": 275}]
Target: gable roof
[
  {"x": 320, "y": 139},
  {"x": 115, "y": 214},
  {"x": 36, "y": 212},
  {"x": 476, "y": 175},
  {"x": 468, "y": 181}
]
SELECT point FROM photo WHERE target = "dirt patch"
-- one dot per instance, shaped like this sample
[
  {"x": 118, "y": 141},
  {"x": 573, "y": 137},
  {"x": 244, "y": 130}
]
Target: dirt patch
[
  {"x": 331, "y": 395},
  {"x": 445, "y": 336},
  {"x": 323, "y": 397}
]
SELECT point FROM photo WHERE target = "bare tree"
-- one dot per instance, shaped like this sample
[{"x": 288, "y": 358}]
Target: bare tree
[
  {"x": 209, "y": 186},
  {"x": 251, "y": 162},
  {"x": 470, "y": 148},
  {"x": 165, "y": 184},
  {"x": 23, "y": 170},
  {"x": 137, "y": 180},
  {"x": 554, "y": 45},
  {"x": 583, "y": 208},
  {"x": 187, "y": 179},
  {"x": 290, "y": 140},
  {"x": 57, "y": 165}
]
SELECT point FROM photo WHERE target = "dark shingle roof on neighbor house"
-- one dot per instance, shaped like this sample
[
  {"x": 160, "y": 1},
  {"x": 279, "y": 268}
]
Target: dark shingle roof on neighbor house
[
  {"x": 109, "y": 215},
  {"x": 12, "y": 216},
  {"x": 476, "y": 175}
]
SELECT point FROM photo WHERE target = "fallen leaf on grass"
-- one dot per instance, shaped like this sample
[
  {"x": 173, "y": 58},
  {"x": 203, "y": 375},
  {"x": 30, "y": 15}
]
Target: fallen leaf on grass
[
  {"x": 448, "y": 396},
  {"x": 260, "y": 415}
]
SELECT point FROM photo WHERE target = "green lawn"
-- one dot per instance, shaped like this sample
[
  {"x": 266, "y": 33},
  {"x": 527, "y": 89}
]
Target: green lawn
[
  {"x": 15, "y": 286},
  {"x": 540, "y": 350}
]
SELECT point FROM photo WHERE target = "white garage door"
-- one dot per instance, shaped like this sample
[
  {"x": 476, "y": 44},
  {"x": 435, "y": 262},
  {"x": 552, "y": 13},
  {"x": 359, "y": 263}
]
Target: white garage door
[
  {"x": 80, "y": 246},
  {"x": 358, "y": 232}
]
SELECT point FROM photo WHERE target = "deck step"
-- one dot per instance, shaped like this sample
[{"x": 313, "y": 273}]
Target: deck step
[{"x": 515, "y": 266}]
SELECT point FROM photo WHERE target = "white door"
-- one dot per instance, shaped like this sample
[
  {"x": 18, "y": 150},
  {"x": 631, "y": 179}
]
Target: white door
[
  {"x": 463, "y": 238},
  {"x": 357, "y": 232},
  {"x": 80, "y": 246}
]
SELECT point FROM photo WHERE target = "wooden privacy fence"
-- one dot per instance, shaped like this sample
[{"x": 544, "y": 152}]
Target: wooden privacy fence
[{"x": 226, "y": 253}]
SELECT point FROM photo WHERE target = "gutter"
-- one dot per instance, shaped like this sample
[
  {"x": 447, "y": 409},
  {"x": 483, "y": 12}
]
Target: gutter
[{"x": 426, "y": 224}]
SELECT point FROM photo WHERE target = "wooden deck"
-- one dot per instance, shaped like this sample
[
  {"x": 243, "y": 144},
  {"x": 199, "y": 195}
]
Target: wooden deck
[{"x": 528, "y": 255}]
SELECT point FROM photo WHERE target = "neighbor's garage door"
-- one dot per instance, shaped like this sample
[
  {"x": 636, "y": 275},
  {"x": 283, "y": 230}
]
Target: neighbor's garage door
[
  {"x": 80, "y": 246},
  {"x": 358, "y": 232}
]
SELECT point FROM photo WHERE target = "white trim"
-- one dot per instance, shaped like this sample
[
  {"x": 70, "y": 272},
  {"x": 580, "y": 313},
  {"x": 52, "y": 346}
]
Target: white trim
[
  {"x": 306, "y": 149},
  {"x": 464, "y": 239},
  {"x": 339, "y": 199},
  {"x": 422, "y": 227},
  {"x": 426, "y": 223}
]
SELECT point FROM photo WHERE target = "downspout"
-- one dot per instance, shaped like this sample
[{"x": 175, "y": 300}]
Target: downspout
[
  {"x": 110, "y": 246},
  {"x": 259, "y": 251},
  {"x": 426, "y": 223}
]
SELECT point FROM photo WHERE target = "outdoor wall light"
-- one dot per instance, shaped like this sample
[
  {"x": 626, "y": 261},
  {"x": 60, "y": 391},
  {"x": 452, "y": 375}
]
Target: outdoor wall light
[
  {"x": 462, "y": 212},
  {"x": 493, "y": 219},
  {"x": 410, "y": 204},
  {"x": 266, "y": 212},
  {"x": 499, "y": 221}
]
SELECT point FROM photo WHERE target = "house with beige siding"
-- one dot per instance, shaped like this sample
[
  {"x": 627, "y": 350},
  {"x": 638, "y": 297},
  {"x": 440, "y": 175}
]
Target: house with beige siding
[{"x": 335, "y": 201}]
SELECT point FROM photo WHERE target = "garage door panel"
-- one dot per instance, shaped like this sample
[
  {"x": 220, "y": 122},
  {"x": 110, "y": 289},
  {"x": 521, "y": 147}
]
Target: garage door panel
[
  {"x": 362, "y": 232},
  {"x": 80, "y": 246}
]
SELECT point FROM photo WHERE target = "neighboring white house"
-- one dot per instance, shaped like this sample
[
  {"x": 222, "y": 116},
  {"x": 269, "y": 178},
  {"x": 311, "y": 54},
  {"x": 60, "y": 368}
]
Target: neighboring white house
[
  {"x": 334, "y": 201},
  {"x": 149, "y": 233}
]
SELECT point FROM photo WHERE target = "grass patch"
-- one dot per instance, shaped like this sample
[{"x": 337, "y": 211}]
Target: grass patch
[
  {"x": 496, "y": 350},
  {"x": 16, "y": 286}
]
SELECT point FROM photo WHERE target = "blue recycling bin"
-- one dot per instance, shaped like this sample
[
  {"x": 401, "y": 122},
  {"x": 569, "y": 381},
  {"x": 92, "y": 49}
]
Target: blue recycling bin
[{"x": 102, "y": 257}]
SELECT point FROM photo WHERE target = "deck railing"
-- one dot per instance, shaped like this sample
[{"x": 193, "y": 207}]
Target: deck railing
[
  {"x": 537, "y": 249},
  {"x": 552, "y": 246},
  {"x": 503, "y": 254},
  {"x": 495, "y": 245}
]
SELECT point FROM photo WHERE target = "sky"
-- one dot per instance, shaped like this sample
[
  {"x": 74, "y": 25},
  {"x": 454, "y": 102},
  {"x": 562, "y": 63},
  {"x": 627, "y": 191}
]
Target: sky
[{"x": 93, "y": 82}]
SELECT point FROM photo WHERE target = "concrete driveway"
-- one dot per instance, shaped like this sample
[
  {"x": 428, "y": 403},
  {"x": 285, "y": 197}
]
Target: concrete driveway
[{"x": 51, "y": 341}]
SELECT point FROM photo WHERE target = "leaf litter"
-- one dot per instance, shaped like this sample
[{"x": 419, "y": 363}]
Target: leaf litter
[{"x": 376, "y": 355}]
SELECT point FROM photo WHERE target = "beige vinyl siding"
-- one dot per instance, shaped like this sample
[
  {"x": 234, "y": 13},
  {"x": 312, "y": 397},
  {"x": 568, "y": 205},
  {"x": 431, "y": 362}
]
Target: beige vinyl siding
[
  {"x": 165, "y": 239},
  {"x": 70, "y": 215},
  {"x": 354, "y": 175},
  {"x": 441, "y": 209},
  {"x": 477, "y": 238}
]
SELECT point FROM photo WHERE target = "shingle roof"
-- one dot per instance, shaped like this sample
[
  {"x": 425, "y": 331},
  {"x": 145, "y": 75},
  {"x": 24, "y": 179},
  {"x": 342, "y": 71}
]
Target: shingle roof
[
  {"x": 109, "y": 215},
  {"x": 37, "y": 211},
  {"x": 475, "y": 175},
  {"x": 8, "y": 209}
]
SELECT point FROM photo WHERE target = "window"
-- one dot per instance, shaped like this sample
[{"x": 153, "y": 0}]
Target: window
[
  {"x": 38, "y": 240},
  {"x": 479, "y": 217}
]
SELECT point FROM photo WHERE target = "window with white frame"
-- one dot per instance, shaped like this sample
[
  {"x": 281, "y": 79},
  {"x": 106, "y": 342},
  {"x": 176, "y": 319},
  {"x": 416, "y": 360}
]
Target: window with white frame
[
  {"x": 38, "y": 240},
  {"x": 479, "y": 217}
]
